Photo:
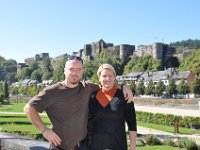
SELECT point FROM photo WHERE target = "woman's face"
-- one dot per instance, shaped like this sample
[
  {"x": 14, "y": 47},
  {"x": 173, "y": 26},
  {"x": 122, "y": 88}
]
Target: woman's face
[{"x": 107, "y": 78}]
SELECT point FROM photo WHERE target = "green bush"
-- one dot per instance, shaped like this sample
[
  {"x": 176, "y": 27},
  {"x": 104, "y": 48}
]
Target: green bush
[
  {"x": 189, "y": 144},
  {"x": 152, "y": 140},
  {"x": 169, "y": 142},
  {"x": 167, "y": 119},
  {"x": 140, "y": 142}
]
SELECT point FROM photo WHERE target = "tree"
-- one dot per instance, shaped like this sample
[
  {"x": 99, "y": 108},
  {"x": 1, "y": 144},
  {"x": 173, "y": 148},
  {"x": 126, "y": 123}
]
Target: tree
[
  {"x": 32, "y": 90},
  {"x": 1, "y": 92},
  {"x": 46, "y": 64},
  {"x": 11, "y": 77},
  {"x": 171, "y": 88},
  {"x": 36, "y": 75},
  {"x": 182, "y": 87},
  {"x": 160, "y": 88},
  {"x": 90, "y": 68},
  {"x": 140, "y": 88},
  {"x": 142, "y": 63},
  {"x": 46, "y": 75},
  {"x": 132, "y": 86},
  {"x": 25, "y": 73},
  {"x": 196, "y": 86},
  {"x": 34, "y": 65},
  {"x": 95, "y": 79},
  {"x": 58, "y": 73},
  {"x": 192, "y": 62},
  {"x": 150, "y": 88},
  {"x": 106, "y": 57},
  {"x": 5, "y": 90}
]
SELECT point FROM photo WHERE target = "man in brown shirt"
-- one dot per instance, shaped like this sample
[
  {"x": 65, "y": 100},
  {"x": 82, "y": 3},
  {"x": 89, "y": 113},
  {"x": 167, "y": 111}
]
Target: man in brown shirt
[{"x": 66, "y": 104}]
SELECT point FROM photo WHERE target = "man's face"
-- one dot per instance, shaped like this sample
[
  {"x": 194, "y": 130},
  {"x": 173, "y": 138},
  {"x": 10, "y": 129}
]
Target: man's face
[{"x": 73, "y": 71}]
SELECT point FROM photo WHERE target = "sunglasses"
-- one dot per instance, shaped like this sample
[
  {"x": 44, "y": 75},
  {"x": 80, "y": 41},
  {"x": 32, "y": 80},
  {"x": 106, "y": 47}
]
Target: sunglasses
[{"x": 75, "y": 58}]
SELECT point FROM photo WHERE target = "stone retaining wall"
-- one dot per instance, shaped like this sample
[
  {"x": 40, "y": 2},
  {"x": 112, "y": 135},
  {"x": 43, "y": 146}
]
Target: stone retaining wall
[{"x": 13, "y": 142}]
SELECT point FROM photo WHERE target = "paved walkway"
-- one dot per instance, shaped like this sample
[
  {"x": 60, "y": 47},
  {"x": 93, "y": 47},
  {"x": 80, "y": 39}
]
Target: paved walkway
[
  {"x": 164, "y": 135},
  {"x": 165, "y": 110}
]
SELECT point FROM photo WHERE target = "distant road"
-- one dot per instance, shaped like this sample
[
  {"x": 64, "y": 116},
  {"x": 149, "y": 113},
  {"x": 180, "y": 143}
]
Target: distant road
[{"x": 164, "y": 110}]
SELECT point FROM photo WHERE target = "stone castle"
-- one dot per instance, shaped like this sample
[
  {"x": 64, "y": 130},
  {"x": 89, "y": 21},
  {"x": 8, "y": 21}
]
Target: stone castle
[
  {"x": 124, "y": 51},
  {"x": 89, "y": 52},
  {"x": 159, "y": 51}
]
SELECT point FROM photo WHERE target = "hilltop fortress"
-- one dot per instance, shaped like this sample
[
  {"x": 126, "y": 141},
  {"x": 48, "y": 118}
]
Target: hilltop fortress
[
  {"x": 159, "y": 51},
  {"x": 90, "y": 50}
]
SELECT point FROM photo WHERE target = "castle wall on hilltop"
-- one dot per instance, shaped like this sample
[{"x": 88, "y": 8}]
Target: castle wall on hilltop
[
  {"x": 90, "y": 51},
  {"x": 156, "y": 50}
]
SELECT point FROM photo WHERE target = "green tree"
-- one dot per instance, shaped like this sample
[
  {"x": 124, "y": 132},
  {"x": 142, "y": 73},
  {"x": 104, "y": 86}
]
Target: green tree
[
  {"x": 34, "y": 65},
  {"x": 106, "y": 57},
  {"x": 132, "y": 86},
  {"x": 5, "y": 90},
  {"x": 32, "y": 90},
  {"x": 182, "y": 87},
  {"x": 1, "y": 92},
  {"x": 58, "y": 73},
  {"x": 171, "y": 88},
  {"x": 142, "y": 64},
  {"x": 46, "y": 64},
  {"x": 46, "y": 75},
  {"x": 149, "y": 90},
  {"x": 25, "y": 73},
  {"x": 192, "y": 62},
  {"x": 160, "y": 88},
  {"x": 95, "y": 79},
  {"x": 37, "y": 75},
  {"x": 11, "y": 77},
  {"x": 196, "y": 86},
  {"x": 140, "y": 88},
  {"x": 90, "y": 68}
]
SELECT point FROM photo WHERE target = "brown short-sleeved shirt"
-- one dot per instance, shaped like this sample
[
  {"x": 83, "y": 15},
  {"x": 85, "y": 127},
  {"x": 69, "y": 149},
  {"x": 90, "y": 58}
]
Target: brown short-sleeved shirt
[{"x": 67, "y": 109}]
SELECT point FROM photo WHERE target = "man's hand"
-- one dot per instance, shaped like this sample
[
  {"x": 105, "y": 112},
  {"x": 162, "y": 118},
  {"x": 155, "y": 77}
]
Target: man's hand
[
  {"x": 128, "y": 94},
  {"x": 52, "y": 137}
]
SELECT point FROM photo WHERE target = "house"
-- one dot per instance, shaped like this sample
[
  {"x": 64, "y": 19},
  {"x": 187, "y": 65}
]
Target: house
[
  {"x": 187, "y": 76},
  {"x": 134, "y": 76}
]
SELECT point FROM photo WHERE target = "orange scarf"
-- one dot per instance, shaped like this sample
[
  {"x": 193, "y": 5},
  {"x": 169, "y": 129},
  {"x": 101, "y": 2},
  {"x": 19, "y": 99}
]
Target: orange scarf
[{"x": 104, "y": 97}]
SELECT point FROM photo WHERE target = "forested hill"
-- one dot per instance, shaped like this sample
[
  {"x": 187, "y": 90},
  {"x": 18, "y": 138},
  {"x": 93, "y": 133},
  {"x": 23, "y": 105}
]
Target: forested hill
[{"x": 186, "y": 45}]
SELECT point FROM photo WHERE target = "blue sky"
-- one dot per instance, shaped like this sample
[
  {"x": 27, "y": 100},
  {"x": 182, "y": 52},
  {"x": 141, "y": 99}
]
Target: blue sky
[{"x": 29, "y": 27}]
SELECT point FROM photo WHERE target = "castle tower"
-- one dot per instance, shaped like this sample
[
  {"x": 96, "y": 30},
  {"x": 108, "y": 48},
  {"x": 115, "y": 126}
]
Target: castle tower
[
  {"x": 125, "y": 51},
  {"x": 157, "y": 50}
]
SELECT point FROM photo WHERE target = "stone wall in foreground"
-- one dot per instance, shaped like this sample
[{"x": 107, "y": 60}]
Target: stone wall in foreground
[{"x": 13, "y": 142}]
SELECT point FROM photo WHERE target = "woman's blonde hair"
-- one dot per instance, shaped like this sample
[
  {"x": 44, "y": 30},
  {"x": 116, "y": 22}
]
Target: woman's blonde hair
[{"x": 105, "y": 66}]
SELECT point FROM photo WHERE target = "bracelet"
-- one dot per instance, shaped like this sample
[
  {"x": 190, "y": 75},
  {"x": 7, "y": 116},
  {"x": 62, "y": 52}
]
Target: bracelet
[{"x": 43, "y": 130}]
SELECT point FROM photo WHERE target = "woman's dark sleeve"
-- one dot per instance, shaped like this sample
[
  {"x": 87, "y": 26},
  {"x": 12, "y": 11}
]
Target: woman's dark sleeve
[{"x": 130, "y": 116}]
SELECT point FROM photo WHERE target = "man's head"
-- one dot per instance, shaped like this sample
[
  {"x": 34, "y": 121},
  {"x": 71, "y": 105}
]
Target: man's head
[{"x": 73, "y": 71}]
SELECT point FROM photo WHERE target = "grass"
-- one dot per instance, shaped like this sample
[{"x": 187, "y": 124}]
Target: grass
[
  {"x": 13, "y": 107},
  {"x": 168, "y": 128},
  {"x": 19, "y": 124}
]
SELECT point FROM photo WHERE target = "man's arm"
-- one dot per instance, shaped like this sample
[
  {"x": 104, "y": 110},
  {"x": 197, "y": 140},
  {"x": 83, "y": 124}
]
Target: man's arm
[
  {"x": 35, "y": 119},
  {"x": 128, "y": 94}
]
